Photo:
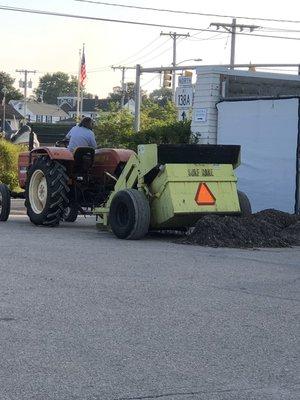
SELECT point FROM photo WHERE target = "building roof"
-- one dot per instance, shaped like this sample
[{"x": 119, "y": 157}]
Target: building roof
[
  {"x": 10, "y": 112},
  {"x": 93, "y": 105},
  {"x": 66, "y": 107},
  {"x": 41, "y": 108},
  {"x": 46, "y": 109}
]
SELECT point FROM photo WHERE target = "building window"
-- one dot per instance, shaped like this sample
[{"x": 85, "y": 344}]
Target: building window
[
  {"x": 39, "y": 118},
  {"x": 49, "y": 119}
]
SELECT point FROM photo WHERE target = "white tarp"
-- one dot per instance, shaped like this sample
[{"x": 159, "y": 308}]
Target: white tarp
[{"x": 267, "y": 131}]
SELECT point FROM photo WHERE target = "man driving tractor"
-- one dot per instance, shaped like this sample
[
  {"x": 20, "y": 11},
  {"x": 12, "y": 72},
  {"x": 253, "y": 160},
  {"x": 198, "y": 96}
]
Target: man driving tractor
[{"x": 82, "y": 135}]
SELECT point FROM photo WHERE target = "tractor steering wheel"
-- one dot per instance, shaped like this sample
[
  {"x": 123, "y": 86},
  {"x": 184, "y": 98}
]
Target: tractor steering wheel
[{"x": 62, "y": 143}]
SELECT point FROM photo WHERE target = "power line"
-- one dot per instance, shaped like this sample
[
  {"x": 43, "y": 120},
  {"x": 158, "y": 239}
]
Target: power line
[
  {"x": 187, "y": 12},
  {"x": 56, "y": 14},
  {"x": 140, "y": 51},
  {"x": 231, "y": 28},
  {"x": 174, "y": 36},
  {"x": 135, "y": 59}
]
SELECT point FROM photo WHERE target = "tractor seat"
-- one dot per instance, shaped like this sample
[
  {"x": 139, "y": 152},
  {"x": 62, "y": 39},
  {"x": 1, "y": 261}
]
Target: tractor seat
[{"x": 83, "y": 158}]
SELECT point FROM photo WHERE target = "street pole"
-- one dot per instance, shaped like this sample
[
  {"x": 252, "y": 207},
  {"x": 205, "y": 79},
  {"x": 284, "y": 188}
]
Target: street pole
[
  {"x": 174, "y": 65},
  {"x": 4, "y": 90},
  {"x": 26, "y": 72},
  {"x": 232, "y": 48},
  {"x": 137, "y": 112},
  {"x": 123, "y": 87},
  {"x": 231, "y": 28},
  {"x": 78, "y": 90},
  {"x": 25, "y": 94},
  {"x": 174, "y": 36}
]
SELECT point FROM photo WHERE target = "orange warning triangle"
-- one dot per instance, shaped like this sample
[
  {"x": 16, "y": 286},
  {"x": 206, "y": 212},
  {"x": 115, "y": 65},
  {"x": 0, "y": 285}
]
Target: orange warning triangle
[{"x": 204, "y": 196}]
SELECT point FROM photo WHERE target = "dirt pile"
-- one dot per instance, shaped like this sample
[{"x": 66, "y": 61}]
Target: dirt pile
[{"x": 267, "y": 228}]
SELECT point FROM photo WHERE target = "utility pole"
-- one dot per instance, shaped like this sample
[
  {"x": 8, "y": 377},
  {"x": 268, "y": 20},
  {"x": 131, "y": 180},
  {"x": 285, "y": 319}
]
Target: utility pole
[
  {"x": 231, "y": 28},
  {"x": 4, "y": 91},
  {"x": 25, "y": 85},
  {"x": 123, "y": 85},
  {"x": 42, "y": 95},
  {"x": 174, "y": 36}
]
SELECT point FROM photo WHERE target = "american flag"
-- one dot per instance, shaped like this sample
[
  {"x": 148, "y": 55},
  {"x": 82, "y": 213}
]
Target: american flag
[{"x": 82, "y": 70}]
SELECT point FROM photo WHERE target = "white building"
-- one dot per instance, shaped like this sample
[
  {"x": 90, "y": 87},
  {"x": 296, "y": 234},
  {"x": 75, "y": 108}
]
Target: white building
[
  {"x": 260, "y": 112},
  {"x": 40, "y": 112}
]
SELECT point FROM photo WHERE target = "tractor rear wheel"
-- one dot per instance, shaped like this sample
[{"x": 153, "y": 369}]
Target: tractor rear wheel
[
  {"x": 245, "y": 204},
  {"x": 129, "y": 214},
  {"x": 4, "y": 202},
  {"x": 46, "y": 192}
]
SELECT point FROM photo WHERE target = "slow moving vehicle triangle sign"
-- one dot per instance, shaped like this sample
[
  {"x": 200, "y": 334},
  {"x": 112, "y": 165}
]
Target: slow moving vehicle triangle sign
[{"x": 204, "y": 196}]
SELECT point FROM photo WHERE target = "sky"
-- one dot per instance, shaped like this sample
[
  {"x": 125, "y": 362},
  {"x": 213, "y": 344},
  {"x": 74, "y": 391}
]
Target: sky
[{"x": 50, "y": 44}]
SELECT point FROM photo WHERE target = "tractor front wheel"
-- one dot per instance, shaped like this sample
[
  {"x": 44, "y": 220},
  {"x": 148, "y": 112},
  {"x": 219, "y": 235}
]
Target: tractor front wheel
[
  {"x": 70, "y": 213},
  {"x": 4, "y": 202},
  {"x": 46, "y": 192},
  {"x": 129, "y": 214}
]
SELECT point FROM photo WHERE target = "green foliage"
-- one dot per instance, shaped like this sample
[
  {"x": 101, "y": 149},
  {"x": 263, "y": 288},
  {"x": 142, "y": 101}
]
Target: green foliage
[
  {"x": 114, "y": 128},
  {"x": 55, "y": 85},
  {"x": 154, "y": 115},
  {"x": 129, "y": 93},
  {"x": 7, "y": 81},
  {"x": 161, "y": 96},
  {"x": 173, "y": 133},
  {"x": 9, "y": 163},
  {"x": 158, "y": 125}
]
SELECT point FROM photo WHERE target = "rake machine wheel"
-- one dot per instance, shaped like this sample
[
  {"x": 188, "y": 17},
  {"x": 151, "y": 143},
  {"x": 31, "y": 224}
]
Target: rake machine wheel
[
  {"x": 46, "y": 192},
  {"x": 245, "y": 204},
  {"x": 129, "y": 214}
]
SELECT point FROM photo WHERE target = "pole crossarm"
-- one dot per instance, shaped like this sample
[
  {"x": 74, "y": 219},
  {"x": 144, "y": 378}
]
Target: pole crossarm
[
  {"x": 228, "y": 27},
  {"x": 174, "y": 36},
  {"x": 193, "y": 67},
  {"x": 26, "y": 72}
]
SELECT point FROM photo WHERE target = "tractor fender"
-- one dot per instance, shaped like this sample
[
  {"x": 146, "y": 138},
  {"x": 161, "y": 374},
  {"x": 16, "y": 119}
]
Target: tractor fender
[{"x": 54, "y": 153}]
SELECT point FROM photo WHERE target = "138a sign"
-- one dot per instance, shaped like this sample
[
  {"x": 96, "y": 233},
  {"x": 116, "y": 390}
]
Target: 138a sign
[{"x": 184, "y": 97}]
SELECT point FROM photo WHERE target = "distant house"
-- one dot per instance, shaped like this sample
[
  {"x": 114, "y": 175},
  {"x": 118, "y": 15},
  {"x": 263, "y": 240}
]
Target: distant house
[
  {"x": 130, "y": 106},
  {"x": 12, "y": 118},
  {"x": 40, "y": 112},
  {"x": 90, "y": 107}
]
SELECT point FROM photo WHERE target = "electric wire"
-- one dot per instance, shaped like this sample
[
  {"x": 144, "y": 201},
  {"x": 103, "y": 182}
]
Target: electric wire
[
  {"x": 187, "y": 12},
  {"x": 83, "y": 17},
  {"x": 99, "y": 69},
  {"x": 150, "y": 80},
  {"x": 138, "y": 52}
]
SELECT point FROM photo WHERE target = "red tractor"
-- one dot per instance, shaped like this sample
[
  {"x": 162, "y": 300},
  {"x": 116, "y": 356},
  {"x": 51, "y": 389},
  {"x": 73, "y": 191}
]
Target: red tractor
[{"x": 59, "y": 184}]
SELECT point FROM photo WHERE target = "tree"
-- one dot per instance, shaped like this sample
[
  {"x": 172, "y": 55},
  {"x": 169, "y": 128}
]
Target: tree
[
  {"x": 55, "y": 85},
  {"x": 116, "y": 96},
  {"x": 114, "y": 127},
  {"x": 161, "y": 96},
  {"x": 7, "y": 81},
  {"x": 153, "y": 114}
]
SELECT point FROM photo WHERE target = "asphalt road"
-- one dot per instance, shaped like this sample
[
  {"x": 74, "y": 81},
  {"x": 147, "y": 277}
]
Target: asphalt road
[{"x": 85, "y": 316}]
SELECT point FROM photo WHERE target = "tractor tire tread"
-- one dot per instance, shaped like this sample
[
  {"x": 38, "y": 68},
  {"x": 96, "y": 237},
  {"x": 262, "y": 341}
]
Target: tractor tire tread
[
  {"x": 5, "y": 206},
  {"x": 57, "y": 178}
]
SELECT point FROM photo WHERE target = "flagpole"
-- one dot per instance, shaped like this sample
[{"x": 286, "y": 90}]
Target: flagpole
[
  {"x": 78, "y": 89},
  {"x": 82, "y": 78}
]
